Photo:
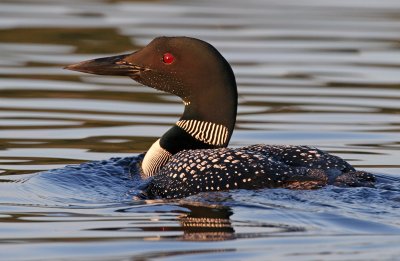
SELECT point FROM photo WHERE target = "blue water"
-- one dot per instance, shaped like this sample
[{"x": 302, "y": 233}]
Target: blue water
[{"x": 317, "y": 73}]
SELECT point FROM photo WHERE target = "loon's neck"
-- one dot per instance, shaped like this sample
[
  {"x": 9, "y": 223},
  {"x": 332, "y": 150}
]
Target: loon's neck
[
  {"x": 202, "y": 126},
  {"x": 191, "y": 69},
  {"x": 205, "y": 124}
]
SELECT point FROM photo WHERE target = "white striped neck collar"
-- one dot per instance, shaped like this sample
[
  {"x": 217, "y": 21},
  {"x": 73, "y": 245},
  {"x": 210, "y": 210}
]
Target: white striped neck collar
[{"x": 207, "y": 132}]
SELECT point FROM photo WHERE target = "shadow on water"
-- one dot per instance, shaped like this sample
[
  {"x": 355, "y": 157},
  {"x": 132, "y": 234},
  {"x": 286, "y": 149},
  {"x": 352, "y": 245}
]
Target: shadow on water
[{"x": 320, "y": 73}]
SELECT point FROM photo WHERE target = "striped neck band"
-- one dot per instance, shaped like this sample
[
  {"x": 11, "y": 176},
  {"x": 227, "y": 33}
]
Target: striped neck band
[{"x": 207, "y": 132}]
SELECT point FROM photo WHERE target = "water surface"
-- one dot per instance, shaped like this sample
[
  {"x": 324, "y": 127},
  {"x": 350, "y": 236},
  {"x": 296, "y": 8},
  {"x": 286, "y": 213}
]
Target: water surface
[{"x": 320, "y": 73}]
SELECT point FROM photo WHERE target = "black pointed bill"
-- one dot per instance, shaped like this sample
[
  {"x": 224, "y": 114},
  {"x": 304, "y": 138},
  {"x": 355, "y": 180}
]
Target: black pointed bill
[{"x": 113, "y": 65}]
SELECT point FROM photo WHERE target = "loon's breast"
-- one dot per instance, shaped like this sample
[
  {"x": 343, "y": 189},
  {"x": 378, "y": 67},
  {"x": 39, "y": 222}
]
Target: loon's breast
[{"x": 258, "y": 166}]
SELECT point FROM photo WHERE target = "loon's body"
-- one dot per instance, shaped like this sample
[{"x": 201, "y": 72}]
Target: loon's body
[{"x": 192, "y": 156}]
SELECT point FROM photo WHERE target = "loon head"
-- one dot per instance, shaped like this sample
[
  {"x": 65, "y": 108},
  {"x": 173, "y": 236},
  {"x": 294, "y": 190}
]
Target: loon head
[
  {"x": 191, "y": 69},
  {"x": 187, "y": 67}
]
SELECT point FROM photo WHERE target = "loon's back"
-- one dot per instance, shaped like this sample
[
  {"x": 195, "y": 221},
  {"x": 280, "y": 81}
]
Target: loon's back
[{"x": 258, "y": 166}]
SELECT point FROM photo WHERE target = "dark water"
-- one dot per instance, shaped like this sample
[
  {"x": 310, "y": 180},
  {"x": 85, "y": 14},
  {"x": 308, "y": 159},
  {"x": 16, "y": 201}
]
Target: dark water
[{"x": 322, "y": 73}]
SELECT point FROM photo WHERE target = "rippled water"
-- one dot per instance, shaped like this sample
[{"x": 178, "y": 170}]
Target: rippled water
[{"x": 322, "y": 73}]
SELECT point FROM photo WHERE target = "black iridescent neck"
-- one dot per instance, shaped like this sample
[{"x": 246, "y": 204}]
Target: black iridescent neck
[{"x": 210, "y": 104}]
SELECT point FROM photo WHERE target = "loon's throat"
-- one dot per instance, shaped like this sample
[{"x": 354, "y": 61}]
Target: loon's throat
[{"x": 185, "y": 135}]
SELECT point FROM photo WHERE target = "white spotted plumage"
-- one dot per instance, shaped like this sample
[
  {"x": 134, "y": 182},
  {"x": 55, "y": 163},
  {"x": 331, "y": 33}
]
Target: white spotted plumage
[{"x": 251, "y": 167}]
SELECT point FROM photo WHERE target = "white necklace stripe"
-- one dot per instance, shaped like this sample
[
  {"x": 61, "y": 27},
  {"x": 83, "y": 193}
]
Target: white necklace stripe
[
  {"x": 206, "y": 132},
  {"x": 225, "y": 136},
  {"x": 212, "y": 131},
  {"x": 194, "y": 125}
]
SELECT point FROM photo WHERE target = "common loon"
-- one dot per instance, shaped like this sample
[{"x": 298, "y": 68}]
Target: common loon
[{"x": 192, "y": 156}]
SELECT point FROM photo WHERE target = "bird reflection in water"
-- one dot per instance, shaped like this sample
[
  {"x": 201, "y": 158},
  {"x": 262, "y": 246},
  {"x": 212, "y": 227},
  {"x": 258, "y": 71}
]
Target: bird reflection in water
[{"x": 205, "y": 223}]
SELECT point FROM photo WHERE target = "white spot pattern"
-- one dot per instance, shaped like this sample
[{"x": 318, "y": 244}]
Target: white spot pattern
[{"x": 258, "y": 166}]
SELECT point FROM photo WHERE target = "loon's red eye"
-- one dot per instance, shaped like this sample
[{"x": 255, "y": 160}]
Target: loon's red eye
[{"x": 168, "y": 58}]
